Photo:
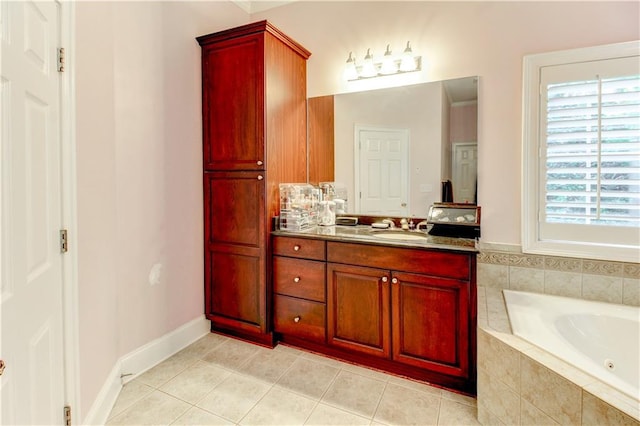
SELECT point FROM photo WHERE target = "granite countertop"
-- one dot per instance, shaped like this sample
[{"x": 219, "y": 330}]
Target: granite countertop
[{"x": 364, "y": 233}]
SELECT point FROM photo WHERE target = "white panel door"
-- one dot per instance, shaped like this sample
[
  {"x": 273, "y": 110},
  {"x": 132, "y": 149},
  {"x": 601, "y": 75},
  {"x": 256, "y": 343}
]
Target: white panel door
[
  {"x": 383, "y": 178},
  {"x": 32, "y": 386},
  {"x": 465, "y": 172}
]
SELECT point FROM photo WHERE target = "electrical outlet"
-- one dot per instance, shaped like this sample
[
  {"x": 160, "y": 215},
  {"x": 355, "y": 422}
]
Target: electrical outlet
[
  {"x": 155, "y": 275},
  {"x": 426, "y": 187}
]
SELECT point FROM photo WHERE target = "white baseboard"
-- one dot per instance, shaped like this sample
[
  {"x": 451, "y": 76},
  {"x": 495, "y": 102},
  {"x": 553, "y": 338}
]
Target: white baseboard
[
  {"x": 101, "y": 407},
  {"x": 156, "y": 351},
  {"x": 141, "y": 360}
]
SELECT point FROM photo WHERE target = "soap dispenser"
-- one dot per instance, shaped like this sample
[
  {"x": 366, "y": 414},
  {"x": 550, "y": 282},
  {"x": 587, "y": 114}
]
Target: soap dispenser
[{"x": 327, "y": 214}]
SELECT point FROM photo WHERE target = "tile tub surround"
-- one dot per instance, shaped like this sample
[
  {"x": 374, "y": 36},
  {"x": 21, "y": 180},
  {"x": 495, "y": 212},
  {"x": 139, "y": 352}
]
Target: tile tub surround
[
  {"x": 506, "y": 267},
  {"x": 520, "y": 384}
]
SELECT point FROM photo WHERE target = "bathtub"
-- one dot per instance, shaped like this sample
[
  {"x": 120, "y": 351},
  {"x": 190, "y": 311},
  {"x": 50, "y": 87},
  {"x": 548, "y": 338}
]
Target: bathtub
[{"x": 601, "y": 339}]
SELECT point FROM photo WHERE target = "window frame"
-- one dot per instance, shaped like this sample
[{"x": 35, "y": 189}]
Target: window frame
[{"x": 532, "y": 146}]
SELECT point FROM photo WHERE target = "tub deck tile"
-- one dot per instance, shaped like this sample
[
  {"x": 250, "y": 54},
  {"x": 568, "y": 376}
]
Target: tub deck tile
[
  {"x": 615, "y": 398},
  {"x": 556, "y": 396},
  {"x": 598, "y": 412},
  {"x": 560, "y": 367}
]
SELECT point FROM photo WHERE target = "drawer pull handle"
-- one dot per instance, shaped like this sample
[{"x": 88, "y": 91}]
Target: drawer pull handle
[
  {"x": 296, "y": 280},
  {"x": 385, "y": 279},
  {"x": 260, "y": 177},
  {"x": 296, "y": 247},
  {"x": 259, "y": 163},
  {"x": 394, "y": 281},
  {"x": 297, "y": 319}
]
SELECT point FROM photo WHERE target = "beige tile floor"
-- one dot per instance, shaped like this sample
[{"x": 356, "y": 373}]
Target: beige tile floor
[{"x": 222, "y": 381}]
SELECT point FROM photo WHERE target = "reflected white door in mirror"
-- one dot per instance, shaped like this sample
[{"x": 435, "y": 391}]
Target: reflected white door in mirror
[
  {"x": 464, "y": 172},
  {"x": 382, "y": 175}
]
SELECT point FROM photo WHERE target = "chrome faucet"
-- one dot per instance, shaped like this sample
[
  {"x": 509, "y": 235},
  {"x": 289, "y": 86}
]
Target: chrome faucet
[{"x": 390, "y": 222}]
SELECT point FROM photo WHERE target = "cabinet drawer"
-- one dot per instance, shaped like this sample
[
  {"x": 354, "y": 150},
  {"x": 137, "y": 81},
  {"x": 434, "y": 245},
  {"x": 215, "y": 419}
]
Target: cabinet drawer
[
  {"x": 299, "y": 247},
  {"x": 299, "y": 278},
  {"x": 429, "y": 262},
  {"x": 300, "y": 318}
]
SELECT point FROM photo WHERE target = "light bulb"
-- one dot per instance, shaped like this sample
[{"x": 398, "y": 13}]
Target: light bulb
[
  {"x": 388, "y": 64},
  {"x": 408, "y": 62},
  {"x": 350, "y": 71},
  {"x": 368, "y": 68}
]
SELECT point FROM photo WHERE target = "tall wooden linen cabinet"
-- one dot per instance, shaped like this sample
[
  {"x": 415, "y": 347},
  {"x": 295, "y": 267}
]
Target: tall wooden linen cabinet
[{"x": 254, "y": 138}]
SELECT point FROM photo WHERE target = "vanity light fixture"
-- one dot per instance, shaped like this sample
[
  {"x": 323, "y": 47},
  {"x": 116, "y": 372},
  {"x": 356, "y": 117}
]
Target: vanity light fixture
[{"x": 387, "y": 65}]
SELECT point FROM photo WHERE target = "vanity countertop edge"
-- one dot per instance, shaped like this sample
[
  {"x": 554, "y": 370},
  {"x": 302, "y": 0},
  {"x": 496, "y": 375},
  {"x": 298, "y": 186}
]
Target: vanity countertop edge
[{"x": 362, "y": 234}]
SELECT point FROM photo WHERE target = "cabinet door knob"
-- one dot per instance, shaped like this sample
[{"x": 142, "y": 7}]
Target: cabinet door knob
[
  {"x": 259, "y": 163},
  {"x": 296, "y": 280},
  {"x": 385, "y": 279},
  {"x": 296, "y": 247},
  {"x": 260, "y": 177},
  {"x": 297, "y": 319},
  {"x": 394, "y": 280}
]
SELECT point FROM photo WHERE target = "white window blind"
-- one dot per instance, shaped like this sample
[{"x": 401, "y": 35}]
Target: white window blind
[
  {"x": 593, "y": 151},
  {"x": 585, "y": 179}
]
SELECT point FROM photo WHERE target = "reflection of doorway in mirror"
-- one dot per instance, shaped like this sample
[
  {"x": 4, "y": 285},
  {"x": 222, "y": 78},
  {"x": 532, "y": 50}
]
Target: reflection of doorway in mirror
[
  {"x": 464, "y": 172},
  {"x": 382, "y": 171}
]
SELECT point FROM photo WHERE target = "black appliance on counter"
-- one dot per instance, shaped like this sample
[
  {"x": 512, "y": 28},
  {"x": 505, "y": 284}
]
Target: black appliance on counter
[{"x": 454, "y": 220}]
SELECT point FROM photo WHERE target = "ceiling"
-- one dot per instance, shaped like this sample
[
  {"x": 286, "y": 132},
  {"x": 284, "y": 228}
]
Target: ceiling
[
  {"x": 462, "y": 89},
  {"x": 256, "y": 6}
]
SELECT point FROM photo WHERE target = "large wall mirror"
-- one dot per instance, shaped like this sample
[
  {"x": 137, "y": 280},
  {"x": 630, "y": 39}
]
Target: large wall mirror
[{"x": 393, "y": 148}]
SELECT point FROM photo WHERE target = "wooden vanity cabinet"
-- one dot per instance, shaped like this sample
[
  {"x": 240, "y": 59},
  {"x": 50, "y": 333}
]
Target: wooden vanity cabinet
[
  {"x": 404, "y": 310},
  {"x": 416, "y": 311},
  {"x": 254, "y": 138}
]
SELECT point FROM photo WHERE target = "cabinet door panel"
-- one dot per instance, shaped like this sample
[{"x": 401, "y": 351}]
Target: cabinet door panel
[
  {"x": 235, "y": 287},
  {"x": 234, "y": 209},
  {"x": 235, "y": 268},
  {"x": 233, "y": 103},
  {"x": 430, "y": 323},
  {"x": 358, "y": 309}
]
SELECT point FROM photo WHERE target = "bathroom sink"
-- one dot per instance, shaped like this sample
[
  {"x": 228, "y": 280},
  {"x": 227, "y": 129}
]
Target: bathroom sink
[{"x": 399, "y": 235}]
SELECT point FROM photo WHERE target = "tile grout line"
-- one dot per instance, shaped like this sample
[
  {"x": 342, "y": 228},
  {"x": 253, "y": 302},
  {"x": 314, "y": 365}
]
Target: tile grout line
[
  {"x": 270, "y": 388},
  {"x": 384, "y": 389},
  {"x": 319, "y": 401}
]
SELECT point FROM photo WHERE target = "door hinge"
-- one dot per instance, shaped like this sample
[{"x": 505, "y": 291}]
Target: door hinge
[
  {"x": 64, "y": 242},
  {"x": 67, "y": 415},
  {"x": 61, "y": 59}
]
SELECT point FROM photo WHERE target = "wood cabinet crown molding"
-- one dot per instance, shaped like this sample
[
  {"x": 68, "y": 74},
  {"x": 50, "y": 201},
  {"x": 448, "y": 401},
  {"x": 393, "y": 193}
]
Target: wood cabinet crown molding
[{"x": 254, "y": 28}]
